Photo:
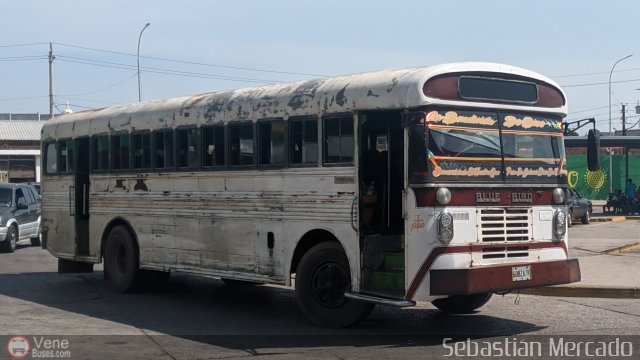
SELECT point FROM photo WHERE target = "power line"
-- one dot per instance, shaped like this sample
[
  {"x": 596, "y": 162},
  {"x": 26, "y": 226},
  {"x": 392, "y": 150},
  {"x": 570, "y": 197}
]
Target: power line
[
  {"x": 595, "y": 73},
  {"x": 102, "y": 89},
  {"x": 600, "y": 83},
  {"x": 24, "y": 58},
  {"x": 109, "y": 64},
  {"x": 26, "y": 44},
  {"x": 193, "y": 62}
]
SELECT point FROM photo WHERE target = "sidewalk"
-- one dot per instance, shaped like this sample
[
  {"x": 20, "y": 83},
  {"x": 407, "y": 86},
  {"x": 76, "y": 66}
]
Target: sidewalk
[{"x": 610, "y": 267}]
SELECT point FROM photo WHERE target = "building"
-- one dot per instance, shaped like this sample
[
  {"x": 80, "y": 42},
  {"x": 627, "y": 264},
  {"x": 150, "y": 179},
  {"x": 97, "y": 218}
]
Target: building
[{"x": 20, "y": 147}]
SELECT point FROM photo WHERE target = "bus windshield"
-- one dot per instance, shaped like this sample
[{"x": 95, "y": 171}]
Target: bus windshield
[{"x": 482, "y": 146}]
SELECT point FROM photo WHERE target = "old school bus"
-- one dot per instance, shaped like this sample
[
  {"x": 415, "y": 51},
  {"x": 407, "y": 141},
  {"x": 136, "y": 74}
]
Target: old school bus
[{"x": 444, "y": 184}]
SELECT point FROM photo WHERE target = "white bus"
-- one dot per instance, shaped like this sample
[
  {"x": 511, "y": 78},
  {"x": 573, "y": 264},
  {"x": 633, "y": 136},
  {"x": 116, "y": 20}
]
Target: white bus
[{"x": 442, "y": 184}]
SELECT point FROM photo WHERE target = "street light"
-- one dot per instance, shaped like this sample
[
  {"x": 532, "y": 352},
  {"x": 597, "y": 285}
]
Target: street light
[
  {"x": 611, "y": 152},
  {"x": 138, "y": 57},
  {"x": 610, "y": 74}
]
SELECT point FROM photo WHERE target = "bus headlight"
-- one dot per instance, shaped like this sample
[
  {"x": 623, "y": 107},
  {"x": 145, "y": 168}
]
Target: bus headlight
[
  {"x": 445, "y": 227},
  {"x": 443, "y": 196},
  {"x": 558, "y": 196},
  {"x": 559, "y": 223}
]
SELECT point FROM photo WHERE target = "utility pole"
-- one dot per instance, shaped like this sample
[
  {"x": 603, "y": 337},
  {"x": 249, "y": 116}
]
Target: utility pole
[
  {"x": 624, "y": 123},
  {"x": 626, "y": 150},
  {"x": 51, "y": 58}
]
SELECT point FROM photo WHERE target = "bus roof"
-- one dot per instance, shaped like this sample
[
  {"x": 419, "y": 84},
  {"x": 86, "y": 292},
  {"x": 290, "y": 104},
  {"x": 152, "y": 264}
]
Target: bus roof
[{"x": 380, "y": 90}]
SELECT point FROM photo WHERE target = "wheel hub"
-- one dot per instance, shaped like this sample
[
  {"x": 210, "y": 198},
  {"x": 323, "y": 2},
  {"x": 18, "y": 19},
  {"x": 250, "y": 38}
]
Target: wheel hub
[{"x": 330, "y": 281}]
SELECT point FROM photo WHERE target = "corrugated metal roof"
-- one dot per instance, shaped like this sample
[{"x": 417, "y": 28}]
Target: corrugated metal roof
[{"x": 20, "y": 130}]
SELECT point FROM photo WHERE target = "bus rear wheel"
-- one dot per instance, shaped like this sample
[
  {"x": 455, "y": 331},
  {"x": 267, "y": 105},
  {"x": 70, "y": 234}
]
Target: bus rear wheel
[
  {"x": 462, "y": 304},
  {"x": 322, "y": 277},
  {"x": 121, "y": 264}
]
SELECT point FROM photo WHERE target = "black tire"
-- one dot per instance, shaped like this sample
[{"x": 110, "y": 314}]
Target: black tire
[
  {"x": 9, "y": 243},
  {"x": 462, "y": 304},
  {"x": 121, "y": 262},
  {"x": 586, "y": 218},
  {"x": 322, "y": 277}
]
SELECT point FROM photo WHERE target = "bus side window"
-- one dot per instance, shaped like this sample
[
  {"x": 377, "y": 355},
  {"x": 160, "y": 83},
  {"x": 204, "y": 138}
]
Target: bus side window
[
  {"x": 303, "y": 141},
  {"x": 120, "y": 151},
  {"x": 100, "y": 153},
  {"x": 213, "y": 146},
  {"x": 187, "y": 145},
  {"x": 338, "y": 140},
  {"x": 241, "y": 145},
  {"x": 51, "y": 158},
  {"x": 141, "y": 150},
  {"x": 163, "y": 149},
  {"x": 65, "y": 156},
  {"x": 271, "y": 143}
]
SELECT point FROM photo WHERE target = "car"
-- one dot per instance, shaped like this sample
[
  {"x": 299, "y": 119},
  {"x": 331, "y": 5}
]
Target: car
[
  {"x": 580, "y": 208},
  {"x": 19, "y": 216}
]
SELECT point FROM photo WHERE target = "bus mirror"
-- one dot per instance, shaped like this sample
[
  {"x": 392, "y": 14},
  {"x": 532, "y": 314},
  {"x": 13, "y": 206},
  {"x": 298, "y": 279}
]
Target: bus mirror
[{"x": 593, "y": 150}]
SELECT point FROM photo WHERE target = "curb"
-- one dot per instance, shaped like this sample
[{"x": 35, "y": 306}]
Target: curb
[
  {"x": 606, "y": 292},
  {"x": 610, "y": 219},
  {"x": 623, "y": 249}
]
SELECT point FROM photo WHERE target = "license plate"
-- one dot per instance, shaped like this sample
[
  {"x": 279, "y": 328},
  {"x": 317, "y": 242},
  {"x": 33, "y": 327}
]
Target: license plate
[{"x": 521, "y": 273}]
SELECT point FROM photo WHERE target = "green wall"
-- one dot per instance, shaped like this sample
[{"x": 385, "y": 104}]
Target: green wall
[{"x": 595, "y": 185}]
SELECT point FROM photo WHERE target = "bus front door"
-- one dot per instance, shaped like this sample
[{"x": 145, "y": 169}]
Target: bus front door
[{"x": 381, "y": 226}]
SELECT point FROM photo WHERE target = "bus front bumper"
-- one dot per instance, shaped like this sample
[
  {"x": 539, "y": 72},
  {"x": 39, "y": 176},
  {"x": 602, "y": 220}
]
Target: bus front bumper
[{"x": 503, "y": 277}]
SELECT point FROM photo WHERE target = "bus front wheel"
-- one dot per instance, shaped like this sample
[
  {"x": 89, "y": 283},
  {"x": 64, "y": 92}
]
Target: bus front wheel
[
  {"x": 462, "y": 304},
  {"x": 121, "y": 261},
  {"x": 322, "y": 277}
]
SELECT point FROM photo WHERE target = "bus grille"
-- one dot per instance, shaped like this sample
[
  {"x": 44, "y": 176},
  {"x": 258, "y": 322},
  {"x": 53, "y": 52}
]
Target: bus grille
[{"x": 504, "y": 225}]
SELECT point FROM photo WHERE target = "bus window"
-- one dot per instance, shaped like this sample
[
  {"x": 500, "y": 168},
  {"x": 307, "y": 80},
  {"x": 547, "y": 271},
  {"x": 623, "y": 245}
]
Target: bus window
[
  {"x": 51, "y": 161},
  {"x": 303, "y": 143},
  {"x": 100, "y": 152},
  {"x": 120, "y": 152},
  {"x": 241, "y": 147},
  {"x": 338, "y": 140},
  {"x": 141, "y": 150},
  {"x": 187, "y": 145},
  {"x": 213, "y": 146},
  {"x": 163, "y": 145},
  {"x": 65, "y": 162},
  {"x": 418, "y": 154},
  {"x": 271, "y": 143}
]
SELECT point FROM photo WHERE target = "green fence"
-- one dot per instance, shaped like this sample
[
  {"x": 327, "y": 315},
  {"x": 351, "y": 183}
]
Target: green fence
[{"x": 595, "y": 185}]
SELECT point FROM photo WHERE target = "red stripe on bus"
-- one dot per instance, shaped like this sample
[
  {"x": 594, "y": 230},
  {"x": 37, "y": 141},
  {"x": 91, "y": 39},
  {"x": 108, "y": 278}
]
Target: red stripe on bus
[
  {"x": 487, "y": 196},
  {"x": 437, "y": 252}
]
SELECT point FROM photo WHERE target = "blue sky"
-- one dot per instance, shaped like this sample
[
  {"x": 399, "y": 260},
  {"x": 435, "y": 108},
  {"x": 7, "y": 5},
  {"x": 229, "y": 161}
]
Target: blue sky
[{"x": 574, "y": 42}]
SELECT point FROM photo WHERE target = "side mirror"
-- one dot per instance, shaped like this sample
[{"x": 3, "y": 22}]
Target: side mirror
[
  {"x": 593, "y": 150},
  {"x": 22, "y": 206}
]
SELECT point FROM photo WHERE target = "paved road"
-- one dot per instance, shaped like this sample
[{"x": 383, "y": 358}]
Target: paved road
[{"x": 202, "y": 318}]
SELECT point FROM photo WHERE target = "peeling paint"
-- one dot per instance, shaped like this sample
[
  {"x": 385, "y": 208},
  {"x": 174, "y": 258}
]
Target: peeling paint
[
  {"x": 140, "y": 185},
  {"x": 394, "y": 83},
  {"x": 341, "y": 99}
]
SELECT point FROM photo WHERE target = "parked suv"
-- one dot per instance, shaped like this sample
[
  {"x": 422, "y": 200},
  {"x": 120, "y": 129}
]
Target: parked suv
[
  {"x": 579, "y": 207},
  {"x": 19, "y": 216}
]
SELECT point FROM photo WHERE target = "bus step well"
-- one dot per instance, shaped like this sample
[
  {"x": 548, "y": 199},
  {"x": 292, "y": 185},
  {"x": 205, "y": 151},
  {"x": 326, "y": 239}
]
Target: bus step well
[{"x": 388, "y": 279}]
